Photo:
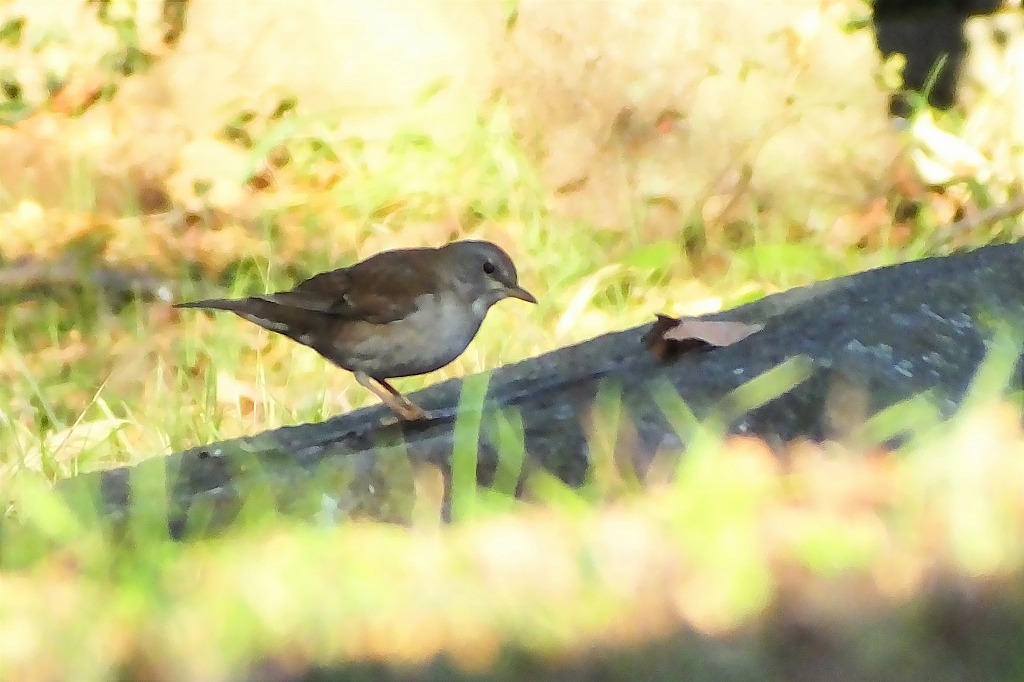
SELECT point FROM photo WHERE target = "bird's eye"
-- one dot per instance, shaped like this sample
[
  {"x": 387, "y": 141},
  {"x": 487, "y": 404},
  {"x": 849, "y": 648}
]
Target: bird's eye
[{"x": 489, "y": 267}]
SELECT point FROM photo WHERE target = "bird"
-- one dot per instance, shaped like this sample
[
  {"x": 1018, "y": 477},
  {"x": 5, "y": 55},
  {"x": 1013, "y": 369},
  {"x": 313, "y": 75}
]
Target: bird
[{"x": 398, "y": 313}]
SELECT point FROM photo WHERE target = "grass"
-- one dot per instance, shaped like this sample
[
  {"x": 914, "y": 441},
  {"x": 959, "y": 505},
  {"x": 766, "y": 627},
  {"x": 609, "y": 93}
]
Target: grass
[
  {"x": 707, "y": 557},
  {"x": 700, "y": 563},
  {"x": 92, "y": 383}
]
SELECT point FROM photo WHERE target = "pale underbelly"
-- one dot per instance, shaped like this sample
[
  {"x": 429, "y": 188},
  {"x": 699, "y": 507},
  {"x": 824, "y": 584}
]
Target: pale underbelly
[{"x": 422, "y": 342}]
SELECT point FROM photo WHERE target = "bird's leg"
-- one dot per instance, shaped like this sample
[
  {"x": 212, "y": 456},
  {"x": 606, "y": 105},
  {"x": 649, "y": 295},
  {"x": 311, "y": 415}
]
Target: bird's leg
[
  {"x": 397, "y": 402},
  {"x": 413, "y": 407}
]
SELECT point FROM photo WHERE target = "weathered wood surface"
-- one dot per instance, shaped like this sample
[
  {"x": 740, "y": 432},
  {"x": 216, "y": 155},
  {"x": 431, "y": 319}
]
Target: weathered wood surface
[{"x": 867, "y": 341}]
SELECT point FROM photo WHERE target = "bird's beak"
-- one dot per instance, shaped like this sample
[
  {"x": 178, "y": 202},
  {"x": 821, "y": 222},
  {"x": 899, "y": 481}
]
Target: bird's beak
[{"x": 520, "y": 293}]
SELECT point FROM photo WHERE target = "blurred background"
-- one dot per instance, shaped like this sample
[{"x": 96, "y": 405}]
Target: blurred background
[{"x": 634, "y": 156}]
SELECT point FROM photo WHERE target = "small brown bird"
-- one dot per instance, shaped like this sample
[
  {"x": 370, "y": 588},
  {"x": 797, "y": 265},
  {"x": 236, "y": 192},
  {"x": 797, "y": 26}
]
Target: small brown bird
[{"x": 396, "y": 314}]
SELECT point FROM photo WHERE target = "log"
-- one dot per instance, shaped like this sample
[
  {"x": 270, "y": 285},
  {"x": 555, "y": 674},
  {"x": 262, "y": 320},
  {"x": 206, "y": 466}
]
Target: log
[{"x": 850, "y": 347}]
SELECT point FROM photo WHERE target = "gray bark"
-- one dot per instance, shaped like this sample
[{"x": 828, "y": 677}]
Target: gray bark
[{"x": 856, "y": 344}]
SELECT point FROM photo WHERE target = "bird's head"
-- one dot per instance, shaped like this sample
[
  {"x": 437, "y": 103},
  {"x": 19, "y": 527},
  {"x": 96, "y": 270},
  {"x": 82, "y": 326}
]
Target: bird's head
[{"x": 485, "y": 273}]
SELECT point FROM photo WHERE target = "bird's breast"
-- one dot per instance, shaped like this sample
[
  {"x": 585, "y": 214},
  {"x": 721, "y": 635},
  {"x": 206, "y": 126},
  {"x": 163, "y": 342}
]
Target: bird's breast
[{"x": 430, "y": 337}]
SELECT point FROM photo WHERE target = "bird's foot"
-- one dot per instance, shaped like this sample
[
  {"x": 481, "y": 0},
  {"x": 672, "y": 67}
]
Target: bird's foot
[
  {"x": 404, "y": 409},
  {"x": 410, "y": 412}
]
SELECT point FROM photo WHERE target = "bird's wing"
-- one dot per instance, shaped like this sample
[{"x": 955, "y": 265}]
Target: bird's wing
[{"x": 380, "y": 289}]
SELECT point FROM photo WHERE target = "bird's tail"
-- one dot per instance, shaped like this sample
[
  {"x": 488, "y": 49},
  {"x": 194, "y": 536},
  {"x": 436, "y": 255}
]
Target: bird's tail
[
  {"x": 234, "y": 305},
  {"x": 286, "y": 320}
]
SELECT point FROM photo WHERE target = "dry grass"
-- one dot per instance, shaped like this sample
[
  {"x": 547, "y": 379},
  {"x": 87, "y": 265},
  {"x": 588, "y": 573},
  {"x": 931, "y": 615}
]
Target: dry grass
[
  {"x": 842, "y": 549},
  {"x": 738, "y": 545}
]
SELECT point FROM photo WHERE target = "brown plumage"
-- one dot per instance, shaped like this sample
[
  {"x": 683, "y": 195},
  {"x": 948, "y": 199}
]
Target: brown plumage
[{"x": 398, "y": 313}]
